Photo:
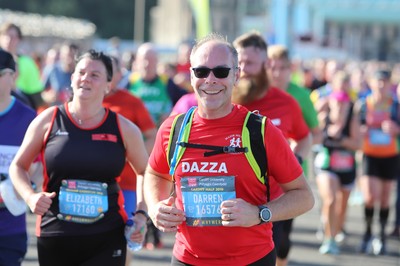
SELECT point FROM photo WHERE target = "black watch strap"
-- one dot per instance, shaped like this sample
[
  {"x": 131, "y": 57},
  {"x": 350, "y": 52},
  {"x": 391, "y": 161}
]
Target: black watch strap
[
  {"x": 264, "y": 209},
  {"x": 144, "y": 213}
]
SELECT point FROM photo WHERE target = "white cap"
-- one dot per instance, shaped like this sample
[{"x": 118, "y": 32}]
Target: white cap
[{"x": 14, "y": 204}]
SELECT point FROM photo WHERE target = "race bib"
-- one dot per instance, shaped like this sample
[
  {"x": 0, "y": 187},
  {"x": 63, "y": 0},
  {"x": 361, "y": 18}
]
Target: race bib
[
  {"x": 378, "y": 137},
  {"x": 82, "y": 201},
  {"x": 202, "y": 197},
  {"x": 341, "y": 161},
  {"x": 7, "y": 154}
]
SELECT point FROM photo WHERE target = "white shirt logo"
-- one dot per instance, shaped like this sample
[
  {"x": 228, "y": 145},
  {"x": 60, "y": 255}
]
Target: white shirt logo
[
  {"x": 61, "y": 133},
  {"x": 276, "y": 121},
  {"x": 235, "y": 142}
]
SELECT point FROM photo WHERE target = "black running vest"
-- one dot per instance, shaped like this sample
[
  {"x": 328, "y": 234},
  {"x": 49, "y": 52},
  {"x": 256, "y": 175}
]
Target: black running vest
[{"x": 96, "y": 154}]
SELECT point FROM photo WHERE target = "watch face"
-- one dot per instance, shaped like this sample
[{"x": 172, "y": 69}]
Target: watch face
[{"x": 265, "y": 215}]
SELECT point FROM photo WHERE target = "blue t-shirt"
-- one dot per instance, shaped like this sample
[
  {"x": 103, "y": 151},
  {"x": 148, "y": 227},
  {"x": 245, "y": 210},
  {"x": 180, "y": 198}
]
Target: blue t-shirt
[
  {"x": 14, "y": 122},
  {"x": 60, "y": 81}
]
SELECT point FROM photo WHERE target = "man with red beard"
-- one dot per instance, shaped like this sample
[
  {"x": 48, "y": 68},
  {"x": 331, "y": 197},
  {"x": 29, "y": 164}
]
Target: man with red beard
[{"x": 254, "y": 92}]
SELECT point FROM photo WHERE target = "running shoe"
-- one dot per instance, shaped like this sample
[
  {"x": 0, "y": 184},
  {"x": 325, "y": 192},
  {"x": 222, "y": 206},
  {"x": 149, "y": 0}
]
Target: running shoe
[
  {"x": 329, "y": 246},
  {"x": 378, "y": 247},
  {"x": 341, "y": 236},
  {"x": 366, "y": 245}
]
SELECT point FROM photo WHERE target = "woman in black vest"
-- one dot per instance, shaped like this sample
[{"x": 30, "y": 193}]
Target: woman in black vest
[{"x": 84, "y": 148}]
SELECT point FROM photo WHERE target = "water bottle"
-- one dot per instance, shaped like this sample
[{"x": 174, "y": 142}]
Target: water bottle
[
  {"x": 15, "y": 205},
  {"x": 129, "y": 229}
]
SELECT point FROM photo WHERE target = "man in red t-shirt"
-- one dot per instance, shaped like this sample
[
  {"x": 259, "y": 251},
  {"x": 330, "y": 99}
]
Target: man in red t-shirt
[
  {"x": 218, "y": 207},
  {"x": 285, "y": 113}
]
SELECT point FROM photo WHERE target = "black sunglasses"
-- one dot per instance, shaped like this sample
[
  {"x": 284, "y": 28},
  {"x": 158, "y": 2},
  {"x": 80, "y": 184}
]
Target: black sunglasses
[{"x": 203, "y": 72}]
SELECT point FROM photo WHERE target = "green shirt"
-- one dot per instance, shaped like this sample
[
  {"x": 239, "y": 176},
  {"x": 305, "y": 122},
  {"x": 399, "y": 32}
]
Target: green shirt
[
  {"x": 302, "y": 96},
  {"x": 28, "y": 80},
  {"x": 154, "y": 96}
]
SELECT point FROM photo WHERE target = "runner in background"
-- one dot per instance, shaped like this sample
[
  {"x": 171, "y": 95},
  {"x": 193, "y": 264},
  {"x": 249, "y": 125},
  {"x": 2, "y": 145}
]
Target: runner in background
[
  {"x": 379, "y": 116},
  {"x": 28, "y": 74},
  {"x": 335, "y": 164},
  {"x": 255, "y": 92},
  {"x": 15, "y": 118},
  {"x": 279, "y": 72}
]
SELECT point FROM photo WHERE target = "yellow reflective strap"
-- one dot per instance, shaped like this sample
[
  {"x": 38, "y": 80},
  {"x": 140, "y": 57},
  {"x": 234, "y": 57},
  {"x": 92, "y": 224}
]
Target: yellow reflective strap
[
  {"x": 170, "y": 138},
  {"x": 185, "y": 138},
  {"x": 249, "y": 155}
]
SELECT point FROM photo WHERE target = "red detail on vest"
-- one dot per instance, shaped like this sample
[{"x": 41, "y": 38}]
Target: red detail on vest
[{"x": 105, "y": 137}]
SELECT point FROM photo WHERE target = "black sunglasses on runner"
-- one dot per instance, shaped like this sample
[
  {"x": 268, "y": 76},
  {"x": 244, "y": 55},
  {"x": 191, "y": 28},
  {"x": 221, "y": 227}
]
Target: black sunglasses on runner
[{"x": 203, "y": 72}]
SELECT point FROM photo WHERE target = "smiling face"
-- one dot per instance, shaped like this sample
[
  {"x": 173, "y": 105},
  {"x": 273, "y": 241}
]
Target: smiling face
[
  {"x": 214, "y": 94},
  {"x": 89, "y": 79}
]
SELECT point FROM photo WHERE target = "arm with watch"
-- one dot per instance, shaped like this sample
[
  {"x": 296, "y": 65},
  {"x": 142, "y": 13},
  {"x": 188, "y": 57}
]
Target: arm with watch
[
  {"x": 292, "y": 203},
  {"x": 296, "y": 200}
]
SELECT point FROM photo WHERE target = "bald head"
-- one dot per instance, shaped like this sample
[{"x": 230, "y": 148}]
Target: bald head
[
  {"x": 146, "y": 48},
  {"x": 146, "y": 61},
  {"x": 215, "y": 38}
]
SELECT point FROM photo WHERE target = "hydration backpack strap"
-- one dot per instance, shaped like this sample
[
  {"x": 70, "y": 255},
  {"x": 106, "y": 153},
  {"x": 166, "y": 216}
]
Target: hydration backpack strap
[
  {"x": 253, "y": 138},
  {"x": 173, "y": 136},
  {"x": 184, "y": 122}
]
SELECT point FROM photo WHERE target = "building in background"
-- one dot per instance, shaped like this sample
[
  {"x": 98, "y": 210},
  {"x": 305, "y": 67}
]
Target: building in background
[
  {"x": 42, "y": 32},
  {"x": 351, "y": 29},
  {"x": 356, "y": 29},
  {"x": 344, "y": 29}
]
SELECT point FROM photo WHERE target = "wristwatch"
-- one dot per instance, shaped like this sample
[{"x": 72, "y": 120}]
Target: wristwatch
[
  {"x": 264, "y": 214},
  {"x": 142, "y": 212}
]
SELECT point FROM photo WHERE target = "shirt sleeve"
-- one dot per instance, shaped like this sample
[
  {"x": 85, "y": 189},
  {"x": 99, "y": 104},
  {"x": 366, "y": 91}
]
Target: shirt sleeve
[{"x": 282, "y": 163}]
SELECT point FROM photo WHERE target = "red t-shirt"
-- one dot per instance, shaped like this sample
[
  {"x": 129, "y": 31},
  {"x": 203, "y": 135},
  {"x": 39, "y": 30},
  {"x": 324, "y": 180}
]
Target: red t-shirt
[
  {"x": 131, "y": 107},
  {"x": 219, "y": 245},
  {"x": 285, "y": 113}
]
